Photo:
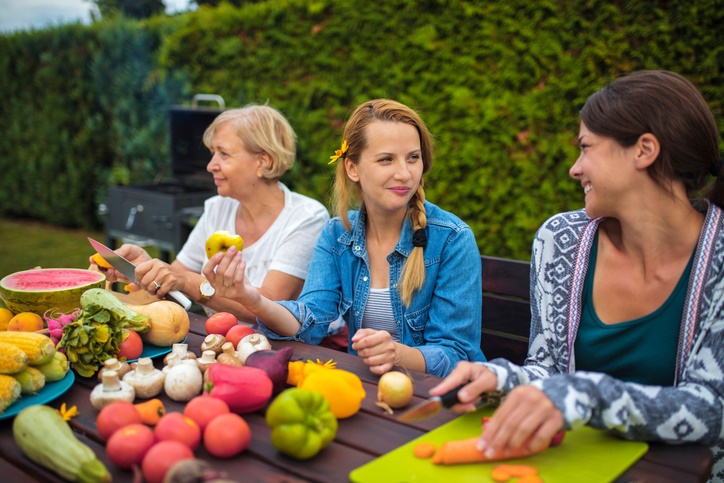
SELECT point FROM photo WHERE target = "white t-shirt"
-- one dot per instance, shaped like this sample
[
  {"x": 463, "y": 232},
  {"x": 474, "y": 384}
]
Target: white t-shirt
[{"x": 287, "y": 245}]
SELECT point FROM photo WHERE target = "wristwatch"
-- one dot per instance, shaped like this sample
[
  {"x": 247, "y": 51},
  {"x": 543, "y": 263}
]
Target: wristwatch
[{"x": 207, "y": 291}]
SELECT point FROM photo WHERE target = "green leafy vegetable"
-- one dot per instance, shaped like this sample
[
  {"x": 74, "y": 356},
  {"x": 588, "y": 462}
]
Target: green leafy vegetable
[{"x": 96, "y": 335}]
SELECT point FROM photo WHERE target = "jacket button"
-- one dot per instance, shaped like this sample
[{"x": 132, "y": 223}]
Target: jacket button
[{"x": 364, "y": 278}]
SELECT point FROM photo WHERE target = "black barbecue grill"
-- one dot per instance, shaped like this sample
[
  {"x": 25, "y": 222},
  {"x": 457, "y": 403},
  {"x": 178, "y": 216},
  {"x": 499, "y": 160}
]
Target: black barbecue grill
[{"x": 163, "y": 214}]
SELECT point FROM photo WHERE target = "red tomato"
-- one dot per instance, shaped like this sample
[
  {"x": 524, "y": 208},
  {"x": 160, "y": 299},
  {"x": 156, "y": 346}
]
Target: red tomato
[
  {"x": 238, "y": 332},
  {"x": 129, "y": 445},
  {"x": 177, "y": 427},
  {"x": 131, "y": 348},
  {"x": 220, "y": 323},
  {"x": 202, "y": 409},
  {"x": 227, "y": 435},
  {"x": 115, "y": 416},
  {"x": 161, "y": 457}
]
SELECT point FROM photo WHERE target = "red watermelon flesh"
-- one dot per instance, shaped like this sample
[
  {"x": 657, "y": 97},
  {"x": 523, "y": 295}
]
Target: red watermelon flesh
[{"x": 41, "y": 289}]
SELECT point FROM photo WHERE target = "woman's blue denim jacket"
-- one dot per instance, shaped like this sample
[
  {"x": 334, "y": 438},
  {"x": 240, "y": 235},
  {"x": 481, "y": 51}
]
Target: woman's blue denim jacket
[{"x": 444, "y": 317}]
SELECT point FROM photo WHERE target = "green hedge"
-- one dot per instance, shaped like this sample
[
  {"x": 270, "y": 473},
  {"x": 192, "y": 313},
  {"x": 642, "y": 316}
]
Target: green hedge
[{"x": 499, "y": 84}]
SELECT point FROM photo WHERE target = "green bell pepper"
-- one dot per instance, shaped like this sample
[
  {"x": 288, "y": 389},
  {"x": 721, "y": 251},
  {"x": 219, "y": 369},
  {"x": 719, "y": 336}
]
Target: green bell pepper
[{"x": 301, "y": 423}]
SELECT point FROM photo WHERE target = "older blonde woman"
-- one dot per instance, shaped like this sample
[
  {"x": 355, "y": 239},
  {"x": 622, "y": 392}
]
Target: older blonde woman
[{"x": 251, "y": 149}]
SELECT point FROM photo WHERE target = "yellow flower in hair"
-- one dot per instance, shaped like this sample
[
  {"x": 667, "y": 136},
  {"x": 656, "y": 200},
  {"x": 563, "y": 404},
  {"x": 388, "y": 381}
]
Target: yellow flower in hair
[{"x": 339, "y": 153}]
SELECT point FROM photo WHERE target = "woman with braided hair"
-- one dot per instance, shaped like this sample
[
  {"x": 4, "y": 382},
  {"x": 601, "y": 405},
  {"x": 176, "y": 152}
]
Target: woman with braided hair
[{"x": 403, "y": 274}]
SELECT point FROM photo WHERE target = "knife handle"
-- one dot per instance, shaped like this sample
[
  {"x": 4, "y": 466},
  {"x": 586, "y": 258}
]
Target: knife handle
[
  {"x": 450, "y": 398},
  {"x": 179, "y": 298}
]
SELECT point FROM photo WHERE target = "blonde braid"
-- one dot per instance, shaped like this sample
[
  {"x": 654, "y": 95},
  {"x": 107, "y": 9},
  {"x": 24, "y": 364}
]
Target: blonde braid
[{"x": 413, "y": 272}]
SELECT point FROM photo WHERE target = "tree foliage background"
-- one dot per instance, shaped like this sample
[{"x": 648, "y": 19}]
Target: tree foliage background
[{"x": 499, "y": 84}]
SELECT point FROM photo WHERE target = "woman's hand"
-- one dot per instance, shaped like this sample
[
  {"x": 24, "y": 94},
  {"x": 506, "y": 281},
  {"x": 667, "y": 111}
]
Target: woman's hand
[
  {"x": 133, "y": 253},
  {"x": 376, "y": 348},
  {"x": 527, "y": 419},
  {"x": 477, "y": 380},
  {"x": 159, "y": 278},
  {"x": 225, "y": 272}
]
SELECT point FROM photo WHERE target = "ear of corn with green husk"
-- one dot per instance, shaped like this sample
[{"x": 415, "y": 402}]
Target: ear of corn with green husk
[
  {"x": 56, "y": 369},
  {"x": 38, "y": 348},
  {"x": 12, "y": 359},
  {"x": 9, "y": 391},
  {"x": 31, "y": 380}
]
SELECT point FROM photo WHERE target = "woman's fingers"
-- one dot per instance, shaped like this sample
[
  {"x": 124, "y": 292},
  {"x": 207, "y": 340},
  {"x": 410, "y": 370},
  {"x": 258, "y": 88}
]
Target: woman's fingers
[
  {"x": 476, "y": 380},
  {"x": 527, "y": 419}
]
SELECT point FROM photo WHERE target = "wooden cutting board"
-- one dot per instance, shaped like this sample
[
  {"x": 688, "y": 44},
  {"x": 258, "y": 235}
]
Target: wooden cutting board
[{"x": 586, "y": 455}]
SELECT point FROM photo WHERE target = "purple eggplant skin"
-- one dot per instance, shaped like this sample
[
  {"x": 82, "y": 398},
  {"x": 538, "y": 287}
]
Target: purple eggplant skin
[{"x": 273, "y": 362}]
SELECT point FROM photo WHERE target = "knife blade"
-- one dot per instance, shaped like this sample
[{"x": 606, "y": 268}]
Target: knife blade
[
  {"x": 430, "y": 407},
  {"x": 128, "y": 270},
  {"x": 435, "y": 404}
]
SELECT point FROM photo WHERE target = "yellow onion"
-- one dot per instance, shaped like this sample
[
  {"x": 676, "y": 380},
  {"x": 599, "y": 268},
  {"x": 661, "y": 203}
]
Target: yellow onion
[{"x": 394, "y": 391}]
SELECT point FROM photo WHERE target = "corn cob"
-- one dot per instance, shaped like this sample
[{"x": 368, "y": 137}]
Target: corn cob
[
  {"x": 12, "y": 359},
  {"x": 9, "y": 391},
  {"x": 31, "y": 380},
  {"x": 56, "y": 369},
  {"x": 37, "y": 347}
]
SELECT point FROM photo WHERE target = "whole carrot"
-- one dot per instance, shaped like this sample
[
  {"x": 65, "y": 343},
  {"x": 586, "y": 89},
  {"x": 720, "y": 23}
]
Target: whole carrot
[{"x": 465, "y": 451}]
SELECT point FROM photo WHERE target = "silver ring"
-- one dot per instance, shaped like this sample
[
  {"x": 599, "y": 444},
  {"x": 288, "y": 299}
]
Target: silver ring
[{"x": 158, "y": 285}]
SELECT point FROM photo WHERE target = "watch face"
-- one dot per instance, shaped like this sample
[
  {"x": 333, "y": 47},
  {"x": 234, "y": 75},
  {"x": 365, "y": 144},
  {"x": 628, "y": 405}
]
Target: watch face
[{"x": 207, "y": 290}]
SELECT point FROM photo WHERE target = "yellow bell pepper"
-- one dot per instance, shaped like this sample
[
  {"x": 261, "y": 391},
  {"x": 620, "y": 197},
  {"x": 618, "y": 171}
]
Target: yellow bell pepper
[{"x": 342, "y": 389}]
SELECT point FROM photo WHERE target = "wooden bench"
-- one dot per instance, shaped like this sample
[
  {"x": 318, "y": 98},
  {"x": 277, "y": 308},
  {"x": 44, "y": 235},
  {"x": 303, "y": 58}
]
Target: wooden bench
[{"x": 506, "y": 308}]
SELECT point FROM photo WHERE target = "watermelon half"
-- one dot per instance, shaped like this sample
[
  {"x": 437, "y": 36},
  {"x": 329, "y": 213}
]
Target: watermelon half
[{"x": 41, "y": 289}]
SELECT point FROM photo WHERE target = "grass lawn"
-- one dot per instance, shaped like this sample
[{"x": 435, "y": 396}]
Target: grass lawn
[{"x": 28, "y": 244}]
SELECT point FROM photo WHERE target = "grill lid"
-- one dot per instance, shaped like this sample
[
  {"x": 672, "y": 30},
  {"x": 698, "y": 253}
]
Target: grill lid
[{"x": 189, "y": 156}]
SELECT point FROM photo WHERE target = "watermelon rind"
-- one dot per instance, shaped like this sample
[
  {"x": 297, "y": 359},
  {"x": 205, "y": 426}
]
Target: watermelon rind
[{"x": 41, "y": 289}]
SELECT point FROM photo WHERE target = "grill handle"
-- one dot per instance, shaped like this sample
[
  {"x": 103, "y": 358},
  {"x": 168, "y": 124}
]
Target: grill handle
[{"x": 208, "y": 97}]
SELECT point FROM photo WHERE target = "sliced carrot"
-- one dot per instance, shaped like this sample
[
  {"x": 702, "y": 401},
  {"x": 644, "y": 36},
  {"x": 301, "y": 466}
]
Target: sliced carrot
[
  {"x": 530, "y": 479},
  {"x": 151, "y": 411},
  {"x": 519, "y": 470},
  {"x": 500, "y": 474},
  {"x": 525, "y": 473},
  {"x": 424, "y": 450}
]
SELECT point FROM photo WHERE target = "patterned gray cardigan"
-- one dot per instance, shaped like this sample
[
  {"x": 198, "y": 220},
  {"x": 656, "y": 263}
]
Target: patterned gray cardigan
[{"x": 690, "y": 411}]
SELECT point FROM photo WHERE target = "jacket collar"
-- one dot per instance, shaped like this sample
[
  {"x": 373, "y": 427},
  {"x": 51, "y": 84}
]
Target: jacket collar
[{"x": 357, "y": 236}]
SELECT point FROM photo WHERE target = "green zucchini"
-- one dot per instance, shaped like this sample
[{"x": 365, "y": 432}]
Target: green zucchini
[{"x": 44, "y": 437}]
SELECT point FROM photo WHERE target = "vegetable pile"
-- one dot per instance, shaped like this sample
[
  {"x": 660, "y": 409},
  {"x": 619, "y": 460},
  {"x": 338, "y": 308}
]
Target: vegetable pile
[{"x": 98, "y": 331}]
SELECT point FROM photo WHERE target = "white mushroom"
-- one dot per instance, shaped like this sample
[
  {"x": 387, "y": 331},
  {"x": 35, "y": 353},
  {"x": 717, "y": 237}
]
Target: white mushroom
[
  {"x": 183, "y": 381},
  {"x": 251, "y": 343},
  {"x": 111, "y": 389},
  {"x": 146, "y": 380}
]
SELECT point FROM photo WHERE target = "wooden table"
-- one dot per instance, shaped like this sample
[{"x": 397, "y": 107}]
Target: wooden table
[{"x": 360, "y": 439}]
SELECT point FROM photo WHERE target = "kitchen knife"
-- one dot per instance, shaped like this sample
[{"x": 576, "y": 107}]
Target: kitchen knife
[
  {"x": 433, "y": 405},
  {"x": 128, "y": 270},
  {"x": 430, "y": 407}
]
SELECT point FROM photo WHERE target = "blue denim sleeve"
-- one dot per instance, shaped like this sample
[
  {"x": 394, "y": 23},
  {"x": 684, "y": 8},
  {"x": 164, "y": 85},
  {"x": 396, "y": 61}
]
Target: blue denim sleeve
[
  {"x": 318, "y": 304},
  {"x": 453, "y": 331}
]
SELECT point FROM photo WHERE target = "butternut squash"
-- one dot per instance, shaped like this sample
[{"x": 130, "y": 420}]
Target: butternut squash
[{"x": 169, "y": 322}]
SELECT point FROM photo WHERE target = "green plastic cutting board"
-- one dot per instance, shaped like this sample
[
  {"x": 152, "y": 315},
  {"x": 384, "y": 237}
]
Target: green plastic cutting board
[{"x": 586, "y": 455}]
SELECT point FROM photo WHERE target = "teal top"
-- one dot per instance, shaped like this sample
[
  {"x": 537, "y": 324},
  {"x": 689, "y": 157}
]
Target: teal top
[{"x": 642, "y": 350}]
